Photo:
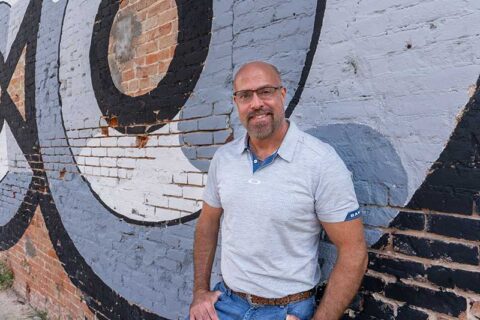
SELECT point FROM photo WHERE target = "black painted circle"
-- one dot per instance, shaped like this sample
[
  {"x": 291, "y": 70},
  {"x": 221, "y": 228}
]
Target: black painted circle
[{"x": 144, "y": 113}]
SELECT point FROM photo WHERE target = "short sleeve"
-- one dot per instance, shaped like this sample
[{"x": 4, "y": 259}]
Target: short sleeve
[
  {"x": 335, "y": 199},
  {"x": 210, "y": 193}
]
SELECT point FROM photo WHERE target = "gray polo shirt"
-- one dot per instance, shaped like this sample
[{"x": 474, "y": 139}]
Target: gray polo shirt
[{"x": 271, "y": 219}]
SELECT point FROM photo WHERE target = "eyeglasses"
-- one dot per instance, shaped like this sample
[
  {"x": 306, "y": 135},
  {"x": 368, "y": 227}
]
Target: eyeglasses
[{"x": 245, "y": 96}]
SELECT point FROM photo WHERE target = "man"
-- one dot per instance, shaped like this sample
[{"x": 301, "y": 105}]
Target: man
[{"x": 276, "y": 187}]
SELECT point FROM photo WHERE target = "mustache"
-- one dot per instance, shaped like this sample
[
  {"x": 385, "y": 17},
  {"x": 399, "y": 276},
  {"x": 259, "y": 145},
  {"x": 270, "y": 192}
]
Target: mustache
[{"x": 260, "y": 112}]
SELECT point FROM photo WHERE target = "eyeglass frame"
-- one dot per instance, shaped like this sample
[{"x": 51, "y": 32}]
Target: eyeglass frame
[{"x": 256, "y": 91}]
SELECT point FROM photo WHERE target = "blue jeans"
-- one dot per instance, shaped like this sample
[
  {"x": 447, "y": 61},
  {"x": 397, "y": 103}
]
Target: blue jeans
[{"x": 233, "y": 307}]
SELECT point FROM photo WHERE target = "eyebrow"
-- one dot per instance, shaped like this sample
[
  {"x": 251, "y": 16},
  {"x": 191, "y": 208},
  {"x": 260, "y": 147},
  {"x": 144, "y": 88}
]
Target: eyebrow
[{"x": 261, "y": 87}]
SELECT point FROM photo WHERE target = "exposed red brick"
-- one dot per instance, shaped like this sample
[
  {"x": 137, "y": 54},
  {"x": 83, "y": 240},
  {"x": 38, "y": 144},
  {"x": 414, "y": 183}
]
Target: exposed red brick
[
  {"x": 16, "y": 88},
  {"x": 475, "y": 309},
  {"x": 113, "y": 122},
  {"x": 159, "y": 7},
  {"x": 152, "y": 49},
  {"x": 141, "y": 141},
  {"x": 41, "y": 279}
]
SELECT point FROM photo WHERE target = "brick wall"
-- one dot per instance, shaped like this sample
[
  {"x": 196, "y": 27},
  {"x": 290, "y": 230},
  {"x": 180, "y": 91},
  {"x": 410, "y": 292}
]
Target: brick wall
[
  {"x": 40, "y": 276},
  {"x": 111, "y": 111}
]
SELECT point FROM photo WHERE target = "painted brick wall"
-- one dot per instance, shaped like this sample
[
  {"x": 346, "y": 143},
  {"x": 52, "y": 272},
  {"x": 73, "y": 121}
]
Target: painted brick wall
[
  {"x": 40, "y": 277},
  {"x": 110, "y": 112}
]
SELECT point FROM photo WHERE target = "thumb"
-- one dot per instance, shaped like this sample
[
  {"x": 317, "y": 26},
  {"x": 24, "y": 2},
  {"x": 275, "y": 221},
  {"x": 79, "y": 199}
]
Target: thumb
[{"x": 218, "y": 293}]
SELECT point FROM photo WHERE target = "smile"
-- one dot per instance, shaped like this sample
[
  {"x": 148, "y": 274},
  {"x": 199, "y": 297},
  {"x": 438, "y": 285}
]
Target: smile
[{"x": 259, "y": 116}]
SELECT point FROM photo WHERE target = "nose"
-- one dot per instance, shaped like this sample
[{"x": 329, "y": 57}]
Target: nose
[{"x": 256, "y": 101}]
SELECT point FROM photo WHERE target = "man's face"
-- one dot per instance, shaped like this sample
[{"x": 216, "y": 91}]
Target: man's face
[{"x": 260, "y": 115}]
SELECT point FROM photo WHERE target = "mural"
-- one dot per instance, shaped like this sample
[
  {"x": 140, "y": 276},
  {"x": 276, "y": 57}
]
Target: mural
[
  {"x": 111, "y": 110},
  {"x": 18, "y": 125}
]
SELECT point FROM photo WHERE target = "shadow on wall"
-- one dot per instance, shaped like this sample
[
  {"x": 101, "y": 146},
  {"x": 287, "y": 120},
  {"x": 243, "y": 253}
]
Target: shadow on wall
[
  {"x": 378, "y": 174},
  {"x": 379, "y": 178}
]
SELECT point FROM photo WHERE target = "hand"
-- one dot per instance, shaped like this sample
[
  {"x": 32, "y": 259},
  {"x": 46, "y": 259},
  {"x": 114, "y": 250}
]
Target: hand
[
  {"x": 202, "y": 307},
  {"x": 290, "y": 317}
]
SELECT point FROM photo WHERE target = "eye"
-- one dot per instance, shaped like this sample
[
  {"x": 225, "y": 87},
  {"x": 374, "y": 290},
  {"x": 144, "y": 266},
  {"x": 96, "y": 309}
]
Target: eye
[
  {"x": 244, "y": 95},
  {"x": 265, "y": 91}
]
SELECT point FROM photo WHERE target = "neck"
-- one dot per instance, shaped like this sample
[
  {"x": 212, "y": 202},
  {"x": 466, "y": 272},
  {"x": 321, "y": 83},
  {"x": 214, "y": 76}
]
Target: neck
[{"x": 265, "y": 147}]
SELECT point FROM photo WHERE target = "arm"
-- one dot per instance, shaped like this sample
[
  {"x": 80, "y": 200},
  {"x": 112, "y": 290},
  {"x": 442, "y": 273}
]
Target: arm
[
  {"x": 348, "y": 271},
  {"x": 206, "y": 236}
]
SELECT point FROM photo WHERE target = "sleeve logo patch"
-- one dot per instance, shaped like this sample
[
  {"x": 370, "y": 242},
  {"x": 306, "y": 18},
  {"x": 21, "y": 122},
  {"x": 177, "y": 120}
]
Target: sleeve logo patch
[{"x": 353, "y": 215}]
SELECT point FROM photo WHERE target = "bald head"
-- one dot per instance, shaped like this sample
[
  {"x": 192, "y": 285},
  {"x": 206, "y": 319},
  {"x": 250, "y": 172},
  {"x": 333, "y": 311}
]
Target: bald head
[{"x": 253, "y": 66}]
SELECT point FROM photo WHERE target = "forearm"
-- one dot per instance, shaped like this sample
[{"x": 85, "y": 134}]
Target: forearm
[
  {"x": 343, "y": 284},
  {"x": 206, "y": 235}
]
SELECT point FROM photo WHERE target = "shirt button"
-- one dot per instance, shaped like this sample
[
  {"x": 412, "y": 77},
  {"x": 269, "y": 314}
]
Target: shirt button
[{"x": 255, "y": 161}]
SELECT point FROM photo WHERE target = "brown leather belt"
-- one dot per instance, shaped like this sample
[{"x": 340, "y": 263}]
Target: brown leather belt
[{"x": 253, "y": 299}]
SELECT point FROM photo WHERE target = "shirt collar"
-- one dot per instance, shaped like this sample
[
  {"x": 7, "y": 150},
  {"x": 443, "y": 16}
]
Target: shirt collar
[
  {"x": 242, "y": 144},
  {"x": 289, "y": 143},
  {"x": 287, "y": 148}
]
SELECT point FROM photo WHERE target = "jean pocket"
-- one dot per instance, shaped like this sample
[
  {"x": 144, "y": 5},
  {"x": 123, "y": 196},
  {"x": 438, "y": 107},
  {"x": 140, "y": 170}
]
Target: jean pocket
[
  {"x": 220, "y": 287},
  {"x": 303, "y": 310}
]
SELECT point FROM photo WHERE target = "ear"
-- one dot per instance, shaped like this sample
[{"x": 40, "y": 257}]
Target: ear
[{"x": 283, "y": 92}]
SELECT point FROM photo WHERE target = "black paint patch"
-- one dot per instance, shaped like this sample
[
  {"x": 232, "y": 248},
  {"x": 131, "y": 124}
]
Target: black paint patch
[
  {"x": 317, "y": 28},
  {"x": 377, "y": 309},
  {"x": 405, "y": 312},
  {"x": 435, "y": 249},
  {"x": 398, "y": 268},
  {"x": 451, "y": 278},
  {"x": 382, "y": 242},
  {"x": 372, "y": 284},
  {"x": 370, "y": 309},
  {"x": 477, "y": 203},
  {"x": 24, "y": 131},
  {"x": 461, "y": 228},
  {"x": 454, "y": 180},
  {"x": 151, "y": 111},
  {"x": 408, "y": 221},
  {"x": 443, "y": 302}
]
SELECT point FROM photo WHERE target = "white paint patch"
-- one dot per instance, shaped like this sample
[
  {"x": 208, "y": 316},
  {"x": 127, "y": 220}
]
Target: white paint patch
[
  {"x": 11, "y": 156},
  {"x": 3, "y": 153},
  {"x": 145, "y": 184},
  {"x": 17, "y": 12}
]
